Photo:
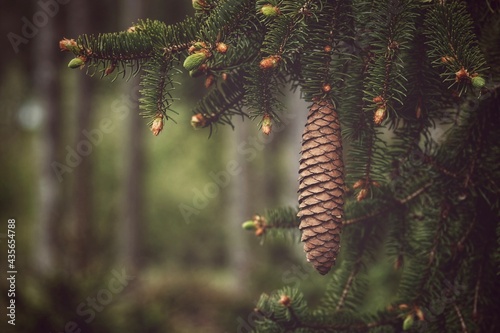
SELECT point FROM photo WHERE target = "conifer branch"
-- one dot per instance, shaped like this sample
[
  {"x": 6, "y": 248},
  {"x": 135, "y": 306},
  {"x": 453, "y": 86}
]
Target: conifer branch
[
  {"x": 413, "y": 195},
  {"x": 454, "y": 48},
  {"x": 156, "y": 83},
  {"x": 221, "y": 104},
  {"x": 356, "y": 327},
  {"x": 461, "y": 242},
  {"x": 360, "y": 63},
  {"x": 227, "y": 19},
  {"x": 402, "y": 201},
  {"x": 424, "y": 276},
  {"x": 348, "y": 285}
]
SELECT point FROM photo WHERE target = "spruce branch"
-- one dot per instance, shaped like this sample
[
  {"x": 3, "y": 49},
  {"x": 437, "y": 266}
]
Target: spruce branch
[
  {"x": 285, "y": 32},
  {"x": 284, "y": 218},
  {"x": 156, "y": 83},
  {"x": 375, "y": 68},
  {"x": 309, "y": 324},
  {"x": 99, "y": 52},
  {"x": 453, "y": 46},
  {"x": 227, "y": 20},
  {"x": 264, "y": 84},
  {"x": 324, "y": 55},
  {"x": 388, "y": 207},
  {"x": 348, "y": 285},
  {"x": 222, "y": 103}
]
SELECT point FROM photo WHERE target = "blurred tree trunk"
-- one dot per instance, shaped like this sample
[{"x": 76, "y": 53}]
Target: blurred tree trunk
[
  {"x": 292, "y": 140},
  {"x": 131, "y": 237},
  {"x": 240, "y": 210},
  {"x": 48, "y": 89},
  {"x": 255, "y": 187},
  {"x": 79, "y": 16}
]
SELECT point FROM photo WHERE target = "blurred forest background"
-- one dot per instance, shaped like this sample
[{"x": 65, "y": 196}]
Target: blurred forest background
[{"x": 118, "y": 230}]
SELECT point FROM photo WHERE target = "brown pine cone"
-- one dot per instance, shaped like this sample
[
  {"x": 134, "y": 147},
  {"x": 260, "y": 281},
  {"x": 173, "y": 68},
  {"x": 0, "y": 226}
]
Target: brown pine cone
[{"x": 321, "y": 187}]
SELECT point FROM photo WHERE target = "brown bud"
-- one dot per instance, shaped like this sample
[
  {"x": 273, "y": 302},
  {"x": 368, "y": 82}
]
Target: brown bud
[
  {"x": 418, "y": 111},
  {"x": 379, "y": 115},
  {"x": 197, "y": 46},
  {"x": 447, "y": 59},
  {"x": 326, "y": 87},
  {"x": 267, "y": 124},
  {"x": 68, "y": 45},
  {"x": 269, "y": 62},
  {"x": 362, "y": 194},
  {"x": 259, "y": 219},
  {"x": 285, "y": 300},
  {"x": 157, "y": 125},
  {"x": 224, "y": 76},
  {"x": 358, "y": 184},
  {"x": 198, "y": 121},
  {"x": 328, "y": 48},
  {"x": 110, "y": 69},
  {"x": 462, "y": 75},
  {"x": 393, "y": 45},
  {"x": 419, "y": 313},
  {"x": 378, "y": 99},
  {"x": 260, "y": 231},
  {"x": 221, "y": 48},
  {"x": 209, "y": 81}
]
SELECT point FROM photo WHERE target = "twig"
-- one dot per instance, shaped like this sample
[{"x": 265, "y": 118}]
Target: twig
[
  {"x": 459, "y": 314},
  {"x": 402, "y": 201},
  {"x": 414, "y": 194},
  {"x": 348, "y": 285},
  {"x": 476, "y": 292}
]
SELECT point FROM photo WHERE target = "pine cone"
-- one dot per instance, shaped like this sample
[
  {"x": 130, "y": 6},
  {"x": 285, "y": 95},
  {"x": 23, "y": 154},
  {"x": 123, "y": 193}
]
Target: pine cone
[{"x": 321, "y": 187}]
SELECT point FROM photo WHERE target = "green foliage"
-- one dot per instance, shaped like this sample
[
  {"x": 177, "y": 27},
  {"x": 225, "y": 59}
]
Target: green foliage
[
  {"x": 220, "y": 105},
  {"x": 156, "y": 83},
  {"x": 397, "y": 71},
  {"x": 453, "y": 46}
]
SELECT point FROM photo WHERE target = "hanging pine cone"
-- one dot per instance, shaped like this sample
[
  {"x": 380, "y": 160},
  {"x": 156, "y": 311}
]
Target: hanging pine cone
[{"x": 321, "y": 187}]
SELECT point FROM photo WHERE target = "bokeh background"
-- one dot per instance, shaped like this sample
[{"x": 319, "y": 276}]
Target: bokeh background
[{"x": 118, "y": 230}]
